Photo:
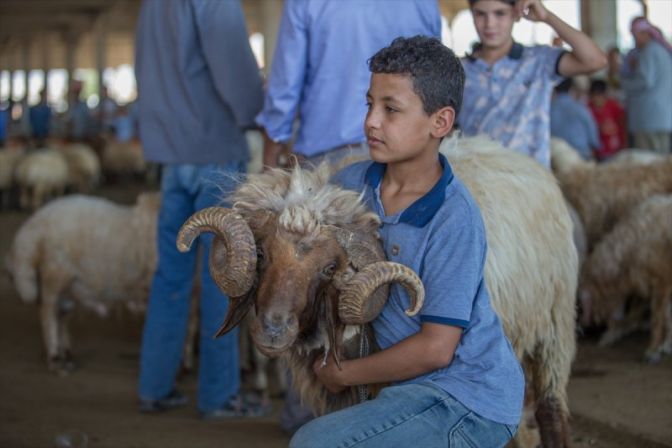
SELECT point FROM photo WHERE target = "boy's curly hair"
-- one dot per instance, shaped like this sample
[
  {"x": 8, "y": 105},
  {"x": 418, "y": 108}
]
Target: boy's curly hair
[{"x": 437, "y": 74}]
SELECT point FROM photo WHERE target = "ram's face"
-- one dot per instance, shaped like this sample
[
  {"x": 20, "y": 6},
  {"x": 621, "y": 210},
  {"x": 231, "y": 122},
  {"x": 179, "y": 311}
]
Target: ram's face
[{"x": 295, "y": 275}]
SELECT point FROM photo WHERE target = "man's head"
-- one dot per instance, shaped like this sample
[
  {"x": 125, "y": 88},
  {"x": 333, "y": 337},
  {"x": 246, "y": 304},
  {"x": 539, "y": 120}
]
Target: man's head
[
  {"x": 494, "y": 21},
  {"x": 642, "y": 31},
  {"x": 598, "y": 91},
  {"x": 415, "y": 94}
]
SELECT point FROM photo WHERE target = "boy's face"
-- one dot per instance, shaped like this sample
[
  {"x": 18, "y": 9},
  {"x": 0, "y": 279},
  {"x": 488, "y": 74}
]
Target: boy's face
[
  {"x": 494, "y": 21},
  {"x": 397, "y": 127}
]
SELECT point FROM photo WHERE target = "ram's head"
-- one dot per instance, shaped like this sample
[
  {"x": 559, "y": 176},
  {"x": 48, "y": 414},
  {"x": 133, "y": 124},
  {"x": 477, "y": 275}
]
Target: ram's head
[{"x": 305, "y": 253}]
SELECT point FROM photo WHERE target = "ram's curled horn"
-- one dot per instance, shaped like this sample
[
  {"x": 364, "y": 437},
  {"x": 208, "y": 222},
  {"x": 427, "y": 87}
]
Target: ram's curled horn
[
  {"x": 355, "y": 305},
  {"x": 233, "y": 256}
]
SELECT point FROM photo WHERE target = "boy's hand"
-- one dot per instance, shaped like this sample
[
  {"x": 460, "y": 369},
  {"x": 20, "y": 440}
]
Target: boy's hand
[
  {"x": 328, "y": 373},
  {"x": 532, "y": 10}
]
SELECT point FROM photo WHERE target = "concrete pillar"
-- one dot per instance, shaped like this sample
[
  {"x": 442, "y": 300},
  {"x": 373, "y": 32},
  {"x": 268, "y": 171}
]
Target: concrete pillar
[
  {"x": 598, "y": 20},
  {"x": 12, "y": 66},
  {"x": 100, "y": 49},
  {"x": 271, "y": 12},
  {"x": 25, "y": 64},
  {"x": 11, "y": 84},
  {"x": 46, "y": 63},
  {"x": 70, "y": 38}
]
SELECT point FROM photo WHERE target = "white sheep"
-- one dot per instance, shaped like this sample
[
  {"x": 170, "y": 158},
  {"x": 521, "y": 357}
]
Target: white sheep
[
  {"x": 41, "y": 174},
  {"x": 603, "y": 194},
  {"x": 531, "y": 268},
  {"x": 83, "y": 167},
  {"x": 634, "y": 260},
  {"x": 123, "y": 158},
  {"x": 85, "y": 249}
]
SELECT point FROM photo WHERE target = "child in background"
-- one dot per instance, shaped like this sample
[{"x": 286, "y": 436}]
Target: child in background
[{"x": 610, "y": 118}]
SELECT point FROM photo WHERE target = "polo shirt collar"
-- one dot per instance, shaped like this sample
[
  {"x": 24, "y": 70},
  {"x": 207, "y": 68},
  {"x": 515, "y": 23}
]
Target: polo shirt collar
[
  {"x": 515, "y": 53},
  {"x": 419, "y": 213}
]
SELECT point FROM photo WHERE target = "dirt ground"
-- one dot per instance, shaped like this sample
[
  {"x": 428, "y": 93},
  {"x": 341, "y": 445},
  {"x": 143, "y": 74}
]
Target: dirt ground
[{"x": 616, "y": 400}]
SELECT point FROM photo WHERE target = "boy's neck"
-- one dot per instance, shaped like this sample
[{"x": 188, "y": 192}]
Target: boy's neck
[
  {"x": 405, "y": 182},
  {"x": 493, "y": 54}
]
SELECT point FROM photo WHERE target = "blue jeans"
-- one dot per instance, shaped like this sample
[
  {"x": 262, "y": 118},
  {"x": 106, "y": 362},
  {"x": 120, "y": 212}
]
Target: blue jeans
[
  {"x": 186, "y": 189},
  {"x": 412, "y": 415}
]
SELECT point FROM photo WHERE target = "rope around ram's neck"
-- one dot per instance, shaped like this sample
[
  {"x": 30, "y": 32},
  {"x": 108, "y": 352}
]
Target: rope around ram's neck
[{"x": 364, "y": 349}]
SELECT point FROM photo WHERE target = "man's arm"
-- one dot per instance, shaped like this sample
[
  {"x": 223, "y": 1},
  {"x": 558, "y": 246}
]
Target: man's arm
[
  {"x": 286, "y": 79},
  {"x": 431, "y": 348},
  {"x": 585, "y": 57},
  {"x": 223, "y": 36}
]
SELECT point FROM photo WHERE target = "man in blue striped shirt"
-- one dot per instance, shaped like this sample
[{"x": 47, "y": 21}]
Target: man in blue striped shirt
[{"x": 319, "y": 71}]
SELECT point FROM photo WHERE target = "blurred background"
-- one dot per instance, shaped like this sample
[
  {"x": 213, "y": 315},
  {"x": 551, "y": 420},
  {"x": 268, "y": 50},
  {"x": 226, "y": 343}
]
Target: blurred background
[{"x": 78, "y": 56}]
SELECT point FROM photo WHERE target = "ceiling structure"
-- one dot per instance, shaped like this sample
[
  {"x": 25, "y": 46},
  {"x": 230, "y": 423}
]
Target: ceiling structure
[{"x": 34, "y": 34}]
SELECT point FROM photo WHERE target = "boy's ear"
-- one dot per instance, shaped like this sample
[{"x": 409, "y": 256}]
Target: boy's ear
[{"x": 443, "y": 122}]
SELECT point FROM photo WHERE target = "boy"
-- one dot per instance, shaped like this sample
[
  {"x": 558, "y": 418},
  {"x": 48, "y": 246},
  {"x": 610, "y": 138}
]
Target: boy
[
  {"x": 454, "y": 376},
  {"x": 610, "y": 118},
  {"x": 508, "y": 88}
]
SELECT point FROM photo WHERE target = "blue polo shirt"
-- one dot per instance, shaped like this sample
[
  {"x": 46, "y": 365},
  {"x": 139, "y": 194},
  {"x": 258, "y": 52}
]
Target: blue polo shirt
[
  {"x": 441, "y": 237},
  {"x": 511, "y": 100}
]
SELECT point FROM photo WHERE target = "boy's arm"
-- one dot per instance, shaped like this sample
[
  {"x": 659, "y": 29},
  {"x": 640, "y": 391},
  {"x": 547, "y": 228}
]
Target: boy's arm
[
  {"x": 431, "y": 348},
  {"x": 585, "y": 57}
]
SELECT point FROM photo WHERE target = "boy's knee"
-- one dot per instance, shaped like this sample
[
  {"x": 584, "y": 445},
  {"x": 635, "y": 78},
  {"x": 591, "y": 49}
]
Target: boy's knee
[{"x": 306, "y": 437}]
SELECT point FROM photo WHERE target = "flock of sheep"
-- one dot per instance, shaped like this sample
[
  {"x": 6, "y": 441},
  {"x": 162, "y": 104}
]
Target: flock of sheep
[
  {"x": 625, "y": 218},
  {"x": 28, "y": 178},
  {"x": 618, "y": 216}
]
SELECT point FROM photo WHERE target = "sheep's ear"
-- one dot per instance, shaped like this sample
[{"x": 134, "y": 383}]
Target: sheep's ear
[{"x": 238, "y": 309}]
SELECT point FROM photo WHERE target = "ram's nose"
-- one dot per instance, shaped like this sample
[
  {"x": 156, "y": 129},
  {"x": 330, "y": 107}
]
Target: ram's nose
[{"x": 275, "y": 324}]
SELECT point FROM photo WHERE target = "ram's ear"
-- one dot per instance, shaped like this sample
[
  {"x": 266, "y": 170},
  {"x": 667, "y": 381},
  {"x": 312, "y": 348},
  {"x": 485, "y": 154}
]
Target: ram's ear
[{"x": 238, "y": 309}]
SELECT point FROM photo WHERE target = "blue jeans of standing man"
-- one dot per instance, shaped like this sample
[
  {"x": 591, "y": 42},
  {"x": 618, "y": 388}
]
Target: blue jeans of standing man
[
  {"x": 411, "y": 415},
  {"x": 186, "y": 189}
]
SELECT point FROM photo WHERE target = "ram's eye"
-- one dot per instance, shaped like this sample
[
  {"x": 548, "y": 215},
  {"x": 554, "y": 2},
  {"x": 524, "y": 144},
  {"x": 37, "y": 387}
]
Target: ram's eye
[
  {"x": 328, "y": 270},
  {"x": 260, "y": 253}
]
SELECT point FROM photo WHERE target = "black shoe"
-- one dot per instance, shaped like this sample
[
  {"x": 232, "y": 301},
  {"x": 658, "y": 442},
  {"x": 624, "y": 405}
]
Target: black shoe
[
  {"x": 171, "y": 401},
  {"x": 240, "y": 406}
]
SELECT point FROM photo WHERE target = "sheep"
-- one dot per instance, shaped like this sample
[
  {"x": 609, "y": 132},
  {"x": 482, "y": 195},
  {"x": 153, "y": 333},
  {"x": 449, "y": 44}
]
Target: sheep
[
  {"x": 123, "y": 158},
  {"x": 9, "y": 159},
  {"x": 635, "y": 259},
  {"x": 633, "y": 156},
  {"x": 39, "y": 175},
  {"x": 531, "y": 268},
  {"x": 579, "y": 234},
  {"x": 603, "y": 194},
  {"x": 87, "y": 250},
  {"x": 83, "y": 167}
]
